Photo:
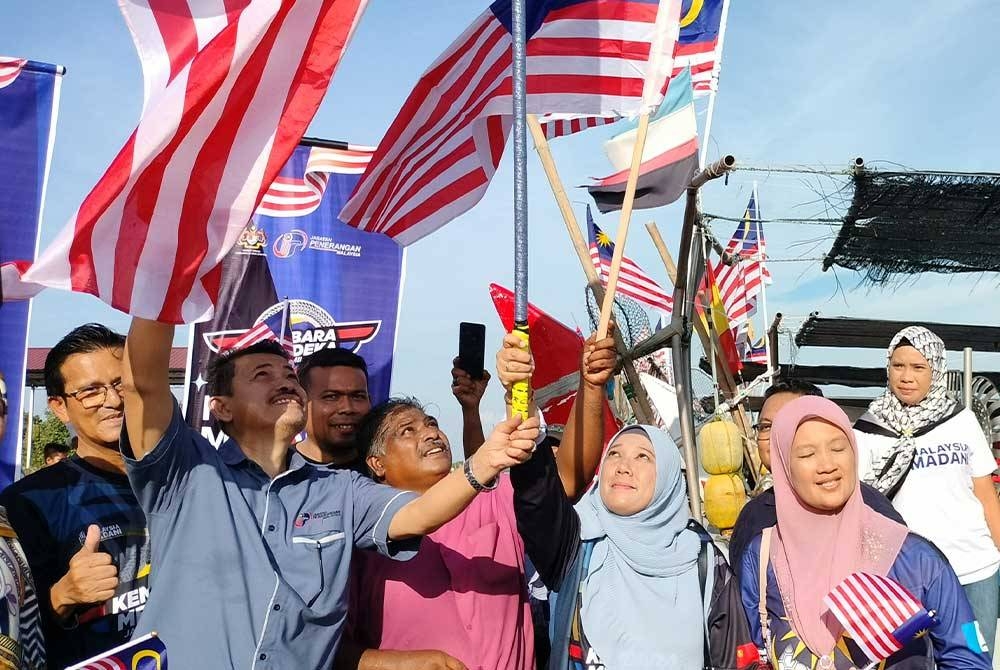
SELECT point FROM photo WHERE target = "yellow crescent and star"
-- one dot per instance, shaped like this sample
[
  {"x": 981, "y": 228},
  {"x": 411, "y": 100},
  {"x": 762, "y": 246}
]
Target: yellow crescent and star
[
  {"x": 807, "y": 656},
  {"x": 692, "y": 13}
]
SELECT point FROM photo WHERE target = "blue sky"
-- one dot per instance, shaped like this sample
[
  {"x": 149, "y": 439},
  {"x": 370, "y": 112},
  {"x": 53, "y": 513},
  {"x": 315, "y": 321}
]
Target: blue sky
[{"x": 802, "y": 84}]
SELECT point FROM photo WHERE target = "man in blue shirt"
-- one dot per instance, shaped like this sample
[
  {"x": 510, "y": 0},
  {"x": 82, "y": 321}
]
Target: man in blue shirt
[{"x": 252, "y": 543}]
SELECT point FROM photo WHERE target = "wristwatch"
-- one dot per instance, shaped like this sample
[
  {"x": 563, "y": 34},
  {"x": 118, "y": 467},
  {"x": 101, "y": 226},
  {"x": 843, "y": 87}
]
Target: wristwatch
[{"x": 475, "y": 483}]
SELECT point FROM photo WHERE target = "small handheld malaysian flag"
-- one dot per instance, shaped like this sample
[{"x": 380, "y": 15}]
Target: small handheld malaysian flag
[
  {"x": 880, "y": 615},
  {"x": 145, "y": 653},
  {"x": 276, "y": 326}
]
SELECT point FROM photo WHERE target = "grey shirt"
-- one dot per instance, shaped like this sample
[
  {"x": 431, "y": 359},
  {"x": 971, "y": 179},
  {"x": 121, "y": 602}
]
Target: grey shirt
[{"x": 251, "y": 572}]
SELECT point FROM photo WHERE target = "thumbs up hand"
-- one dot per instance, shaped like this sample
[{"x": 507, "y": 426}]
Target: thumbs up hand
[{"x": 92, "y": 578}]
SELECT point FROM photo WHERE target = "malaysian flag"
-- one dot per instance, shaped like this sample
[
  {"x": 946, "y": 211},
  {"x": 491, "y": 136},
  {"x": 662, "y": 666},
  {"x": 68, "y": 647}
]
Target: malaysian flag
[
  {"x": 229, "y": 90},
  {"x": 879, "y": 614},
  {"x": 299, "y": 196},
  {"x": 145, "y": 653},
  {"x": 632, "y": 281},
  {"x": 273, "y": 325},
  {"x": 560, "y": 125},
  {"x": 742, "y": 282},
  {"x": 9, "y": 69},
  {"x": 594, "y": 57},
  {"x": 700, "y": 43}
]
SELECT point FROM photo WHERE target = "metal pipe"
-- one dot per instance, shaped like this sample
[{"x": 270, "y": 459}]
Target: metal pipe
[
  {"x": 967, "y": 377},
  {"x": 772, "y": 340},
  {"x": 520, "y": 165},
  {"x": 714, "y": 171}
]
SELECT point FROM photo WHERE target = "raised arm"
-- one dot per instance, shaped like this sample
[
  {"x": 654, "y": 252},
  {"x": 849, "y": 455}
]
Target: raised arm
[
  {"x": 512, "y": 442},
  {"x": 583, "y": 440},
  {"x": 149, "y": 405},
  {"x": 469, "y": 394}
]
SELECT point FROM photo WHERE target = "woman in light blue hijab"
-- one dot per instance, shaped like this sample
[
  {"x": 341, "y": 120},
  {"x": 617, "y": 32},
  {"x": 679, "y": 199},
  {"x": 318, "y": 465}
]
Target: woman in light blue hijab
[{"x": 625, "y": 561}]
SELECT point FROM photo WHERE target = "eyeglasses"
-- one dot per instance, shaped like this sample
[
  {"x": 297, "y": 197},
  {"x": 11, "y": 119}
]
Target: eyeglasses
[
  {"x": 763, "y": 430},
  {"x": 94, "y": 396}
]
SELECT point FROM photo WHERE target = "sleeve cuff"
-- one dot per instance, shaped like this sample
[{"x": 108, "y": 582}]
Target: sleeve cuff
[
  {"x": 161, "y": 448},
  {"x": 400, "y": 550}
]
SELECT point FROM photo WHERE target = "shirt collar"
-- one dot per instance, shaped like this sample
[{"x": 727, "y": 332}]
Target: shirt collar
[{"x": 232, "y": 456}]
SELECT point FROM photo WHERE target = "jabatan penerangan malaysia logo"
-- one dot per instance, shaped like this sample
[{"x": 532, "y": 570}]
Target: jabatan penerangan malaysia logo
[{"x": 313, "y": 329}]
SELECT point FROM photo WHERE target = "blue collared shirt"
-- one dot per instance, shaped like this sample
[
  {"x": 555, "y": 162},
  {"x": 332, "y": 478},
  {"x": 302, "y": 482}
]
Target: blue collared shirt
[{"x": 251, "y": 572}]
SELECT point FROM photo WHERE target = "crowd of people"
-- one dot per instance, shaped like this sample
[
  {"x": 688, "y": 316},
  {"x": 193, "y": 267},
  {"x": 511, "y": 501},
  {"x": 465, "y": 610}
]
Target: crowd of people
[{"x": 362, "y": 547}]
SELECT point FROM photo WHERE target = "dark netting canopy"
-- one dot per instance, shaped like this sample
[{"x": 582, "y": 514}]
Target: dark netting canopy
[
  {"x": 847, "y": 332},
  {"x": 912, "y": 222}
]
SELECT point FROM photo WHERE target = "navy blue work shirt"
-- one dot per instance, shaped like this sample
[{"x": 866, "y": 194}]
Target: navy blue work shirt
[{"x": 251, "y": 572}]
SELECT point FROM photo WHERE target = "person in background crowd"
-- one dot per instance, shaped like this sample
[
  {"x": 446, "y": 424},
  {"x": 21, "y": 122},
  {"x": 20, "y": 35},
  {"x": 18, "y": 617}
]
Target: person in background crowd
[
  {"x": 465, "y": 594},
  {"x": 928, "y": 454},
  {"x": 253, "y": 543},
  {"x": 759, "y": 513},
  {"x": 825, "y": 532},
  {"x": 22, "y": 646},
  {"x": 55, "y": 452},
  {"x": 79, "y": 522},
  {"x": 336, "y": 385}
]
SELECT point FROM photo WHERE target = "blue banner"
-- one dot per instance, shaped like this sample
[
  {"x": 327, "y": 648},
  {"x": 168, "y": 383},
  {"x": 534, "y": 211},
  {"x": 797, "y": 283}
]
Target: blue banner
[
  {"x": 29, "y": 98},
  {"x": 343, "y": 285}
]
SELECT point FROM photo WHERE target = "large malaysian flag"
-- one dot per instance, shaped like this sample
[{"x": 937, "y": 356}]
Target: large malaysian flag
[
  {"x": 595, "y": 57},
  {"x": 230, "y": 87}
]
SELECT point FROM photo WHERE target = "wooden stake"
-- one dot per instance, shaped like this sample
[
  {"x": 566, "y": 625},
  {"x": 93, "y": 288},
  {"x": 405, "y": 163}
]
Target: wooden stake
[
  {"x": 639, "y": 400},
  {"x": 626, "y": 217}
]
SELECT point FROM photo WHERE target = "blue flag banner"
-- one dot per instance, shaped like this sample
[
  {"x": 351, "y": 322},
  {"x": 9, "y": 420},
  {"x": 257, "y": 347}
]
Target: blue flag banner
[
  {"x": 342, "y": 285},
  {"x": 29, "y": 99},
  {"x": 145, "y": 653}
]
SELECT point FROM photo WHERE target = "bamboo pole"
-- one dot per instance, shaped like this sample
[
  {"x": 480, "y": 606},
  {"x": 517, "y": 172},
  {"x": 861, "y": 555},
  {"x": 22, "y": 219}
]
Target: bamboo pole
[
  {"x": 638, "y": 399},
  {"x": 626, "y": 217}
]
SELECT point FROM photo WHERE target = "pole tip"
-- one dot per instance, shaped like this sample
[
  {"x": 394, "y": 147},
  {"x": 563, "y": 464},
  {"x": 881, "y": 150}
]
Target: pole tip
[{"x": 729, "y": 160}]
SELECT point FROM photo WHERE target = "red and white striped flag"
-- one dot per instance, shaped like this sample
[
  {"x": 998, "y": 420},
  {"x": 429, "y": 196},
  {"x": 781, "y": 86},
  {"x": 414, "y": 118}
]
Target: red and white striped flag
[
  {"x": 592, "y": 57},
  {"x": 560, "y": 125},
  {"x": 632, "y": 281},
  {"x": 288, "y": 196},
  {"x": 741, "y": 283},
  {"x": 230, "y": 87},
  {"x": 9, "y": 69},
  {"x": 880, "y": 615}
]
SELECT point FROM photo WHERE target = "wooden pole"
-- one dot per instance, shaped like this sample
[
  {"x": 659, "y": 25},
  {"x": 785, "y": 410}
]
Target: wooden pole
[
  {"x": 638, "y": 398},
  {"x": 708, "y": 338},
  {"x": 626, "y": 217}
]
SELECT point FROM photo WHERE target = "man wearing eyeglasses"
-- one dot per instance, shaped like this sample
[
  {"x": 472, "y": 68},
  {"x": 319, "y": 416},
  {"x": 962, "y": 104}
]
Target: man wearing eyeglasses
[{"x": 81, "y": 526}]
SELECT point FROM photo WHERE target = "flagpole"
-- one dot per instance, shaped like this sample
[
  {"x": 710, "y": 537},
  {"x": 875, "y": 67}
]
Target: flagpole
[
  {"x": 763, "y": 284},
  {"x": 521, "y": 391},
  {"x": 638, "y": 398},
  {"x": 714, "y": 82},
  {"x": 626, "y": 217}
]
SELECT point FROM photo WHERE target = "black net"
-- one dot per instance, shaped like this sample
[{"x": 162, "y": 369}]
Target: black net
[{"x": 906, "y": 223}]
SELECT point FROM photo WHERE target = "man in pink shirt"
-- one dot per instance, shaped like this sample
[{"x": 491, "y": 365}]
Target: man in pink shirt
[{"x": 465, "y": 593}]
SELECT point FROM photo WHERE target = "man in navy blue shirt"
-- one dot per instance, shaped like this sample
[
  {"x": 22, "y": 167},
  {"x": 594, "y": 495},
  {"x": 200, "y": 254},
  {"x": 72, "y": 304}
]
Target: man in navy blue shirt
[
  {"x": 253, "y": 543},
  {"x": 79, "y": 522}
]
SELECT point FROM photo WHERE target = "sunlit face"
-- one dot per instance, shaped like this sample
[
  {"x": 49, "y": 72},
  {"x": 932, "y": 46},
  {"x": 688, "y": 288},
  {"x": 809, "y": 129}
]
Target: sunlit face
[
  {"x": 266, "y": 396},
  {"x": 417, "y": 453},
  {"x": 628, "y": 474},
  {"x": 909, "y": 375},
  {"x": 85, "y": 377},
  {"x": 822, "y": 466},
  {"x": 768, "y": 411},
  {"x": 338, "y": 400}
]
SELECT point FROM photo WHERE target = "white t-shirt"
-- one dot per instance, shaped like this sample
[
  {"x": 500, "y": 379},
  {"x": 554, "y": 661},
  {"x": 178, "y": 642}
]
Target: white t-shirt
[{"x": 936, "y": 498}]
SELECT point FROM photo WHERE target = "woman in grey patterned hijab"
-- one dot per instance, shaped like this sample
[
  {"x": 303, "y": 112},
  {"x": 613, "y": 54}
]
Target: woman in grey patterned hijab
[{"x": 915, "y": 400}]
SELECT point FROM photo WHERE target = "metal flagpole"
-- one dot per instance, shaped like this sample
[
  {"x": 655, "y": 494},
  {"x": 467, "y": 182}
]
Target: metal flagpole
[
  {"x": 521, "y": 391},
  {"x": 715, "y": 76},
  {"x": 763, "y": 284}
]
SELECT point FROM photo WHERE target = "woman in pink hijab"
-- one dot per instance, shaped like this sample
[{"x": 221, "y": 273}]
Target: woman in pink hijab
[{"x": 824, "y": 533}]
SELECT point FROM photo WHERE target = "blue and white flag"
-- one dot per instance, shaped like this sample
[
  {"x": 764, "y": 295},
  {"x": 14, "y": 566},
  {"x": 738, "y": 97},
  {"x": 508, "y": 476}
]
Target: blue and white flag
[{"x": 29, "y": 100}]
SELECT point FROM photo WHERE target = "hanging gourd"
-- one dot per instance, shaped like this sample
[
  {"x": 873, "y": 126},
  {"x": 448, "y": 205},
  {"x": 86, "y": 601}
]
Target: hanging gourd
[
  {"x": 720, "y": 445},
  {"x": 725, "y": 496}
]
